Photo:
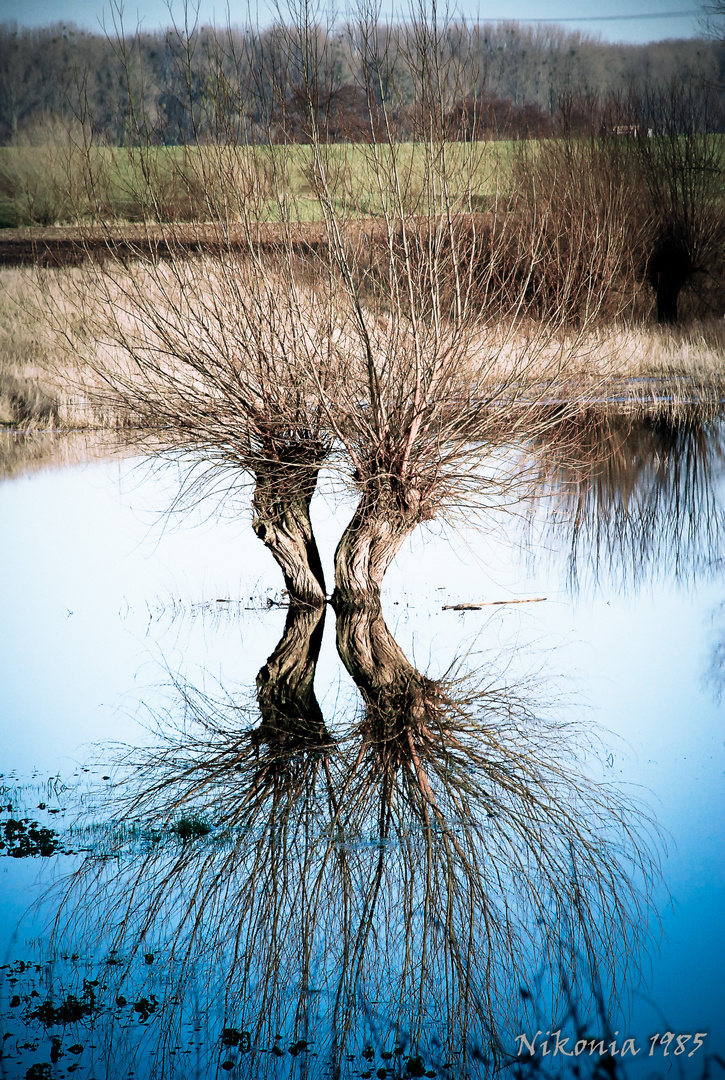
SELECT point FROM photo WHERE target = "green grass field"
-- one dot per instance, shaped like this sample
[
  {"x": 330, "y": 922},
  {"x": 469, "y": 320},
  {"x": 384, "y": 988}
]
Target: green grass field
[{"x": 49, "y": 185}]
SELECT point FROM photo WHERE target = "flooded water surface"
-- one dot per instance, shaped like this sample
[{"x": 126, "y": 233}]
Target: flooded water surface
[{"x": 475, "y": 831}]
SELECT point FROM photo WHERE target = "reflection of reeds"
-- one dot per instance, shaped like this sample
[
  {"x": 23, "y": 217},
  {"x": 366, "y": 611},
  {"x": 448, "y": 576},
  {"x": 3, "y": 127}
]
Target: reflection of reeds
[
  {"x": 634, "y": 493},
  {"x": 400, "y": 875},
  {"x": 27, "y": 451}
]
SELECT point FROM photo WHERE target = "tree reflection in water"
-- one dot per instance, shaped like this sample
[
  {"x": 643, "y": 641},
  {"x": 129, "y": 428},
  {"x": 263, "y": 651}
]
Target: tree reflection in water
[
  {"x": 638, "y": 495},
  {"x": 414, "y": 880}
]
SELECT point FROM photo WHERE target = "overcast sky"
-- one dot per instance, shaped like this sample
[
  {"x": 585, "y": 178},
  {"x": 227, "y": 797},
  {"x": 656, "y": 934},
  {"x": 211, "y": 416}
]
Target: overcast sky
[{"x": 614, "y": 20}]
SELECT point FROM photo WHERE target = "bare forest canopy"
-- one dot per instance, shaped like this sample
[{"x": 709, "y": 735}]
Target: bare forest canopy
[{"x": 51, "y": 74}]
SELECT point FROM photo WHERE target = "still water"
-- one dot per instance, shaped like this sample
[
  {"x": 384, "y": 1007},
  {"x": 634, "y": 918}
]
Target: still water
[{"x": 239, "y": 842}]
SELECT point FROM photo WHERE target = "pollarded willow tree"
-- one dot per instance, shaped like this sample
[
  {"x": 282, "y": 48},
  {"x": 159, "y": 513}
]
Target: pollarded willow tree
[
  {"x": 287, "y": 302},
  {"x": 682, "y": 169}
]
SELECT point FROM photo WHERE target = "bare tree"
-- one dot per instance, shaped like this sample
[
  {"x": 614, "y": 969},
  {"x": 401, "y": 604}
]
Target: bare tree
[
  {"x": 713, "y": 18},
  {"x": 217, "y": 354},
  {"x": 682, "y": 164},
  {"x": 449, "y": 350},
  {"x": 407, "y": 350}
]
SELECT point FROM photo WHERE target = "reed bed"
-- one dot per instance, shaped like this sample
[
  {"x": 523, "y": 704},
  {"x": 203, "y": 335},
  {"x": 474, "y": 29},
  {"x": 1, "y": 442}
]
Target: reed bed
[
  {"x": 662, "y": 372},
  {"x": 44, "y": 384},
  {"x": 638, "y": 371},
  {"x": 49, "y": 369}
]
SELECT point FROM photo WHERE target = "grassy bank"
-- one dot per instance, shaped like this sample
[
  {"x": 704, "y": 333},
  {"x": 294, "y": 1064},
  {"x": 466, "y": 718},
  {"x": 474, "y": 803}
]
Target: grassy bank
[{"x": 44, "y": 185}]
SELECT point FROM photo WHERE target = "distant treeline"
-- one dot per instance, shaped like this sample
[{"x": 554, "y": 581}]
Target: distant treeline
[{"x": 513, "y": 79}]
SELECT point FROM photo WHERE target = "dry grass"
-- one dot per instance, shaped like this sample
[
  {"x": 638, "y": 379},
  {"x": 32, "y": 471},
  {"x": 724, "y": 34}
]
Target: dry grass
[
  {"x": 641, "y": 372},
  {"x": 661, "y": 372},
  {"x": 645, "y": 370},
  {"x": 43, "y": 386},
  {"x": 638, "y": 370}
]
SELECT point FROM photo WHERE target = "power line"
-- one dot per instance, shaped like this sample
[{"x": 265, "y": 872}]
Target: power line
[{"x": 609, "y": 18}]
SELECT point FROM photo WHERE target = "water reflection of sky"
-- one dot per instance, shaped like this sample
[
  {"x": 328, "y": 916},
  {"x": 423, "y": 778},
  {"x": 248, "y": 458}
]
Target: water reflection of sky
[{"x": 98, "y": 596}]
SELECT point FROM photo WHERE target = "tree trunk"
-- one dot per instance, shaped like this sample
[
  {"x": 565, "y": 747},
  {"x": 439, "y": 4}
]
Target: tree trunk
[
  {"x": 400, "y": 702},
  {"x": 282, "y": 497},
  {"x": 669, "y": 268},
  {"x": 668, "y": 290},
  {"x": 370, "y": 653},
  {"x": 369, "y": 544},
  {"x": 291, "y": 715}
]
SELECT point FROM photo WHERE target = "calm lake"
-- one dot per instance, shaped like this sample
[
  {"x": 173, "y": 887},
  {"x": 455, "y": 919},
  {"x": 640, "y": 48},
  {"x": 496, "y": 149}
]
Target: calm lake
[{"x": 235, "y": 841}]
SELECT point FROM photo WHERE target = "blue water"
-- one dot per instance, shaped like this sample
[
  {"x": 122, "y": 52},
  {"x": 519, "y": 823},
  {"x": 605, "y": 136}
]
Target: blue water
[{"x": 110, "y": 608}]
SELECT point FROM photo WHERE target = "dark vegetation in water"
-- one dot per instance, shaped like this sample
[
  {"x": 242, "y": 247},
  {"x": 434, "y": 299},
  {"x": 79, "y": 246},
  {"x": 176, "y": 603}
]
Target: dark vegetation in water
[
  {"x": 191, "y": 828},
  {"x": 25, "y": 838},
  {"x": 385, "y": 1059},
  {"x": 69, "y": 1010}
]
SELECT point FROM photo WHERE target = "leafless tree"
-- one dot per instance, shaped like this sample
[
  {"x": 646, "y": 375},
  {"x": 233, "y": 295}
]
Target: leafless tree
[
  {"x": 713, "y": 18},
  {"x": 681, "y": 157},
  {"x": 406, "y": 350}
]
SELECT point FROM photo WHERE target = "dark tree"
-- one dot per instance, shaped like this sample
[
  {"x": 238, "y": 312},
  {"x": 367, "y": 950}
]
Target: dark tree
[{"x": 681, "y": 154}]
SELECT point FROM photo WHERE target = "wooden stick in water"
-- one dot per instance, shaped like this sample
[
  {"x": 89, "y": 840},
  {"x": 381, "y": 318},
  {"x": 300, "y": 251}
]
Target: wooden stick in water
[{"x": 491, "y": 603}]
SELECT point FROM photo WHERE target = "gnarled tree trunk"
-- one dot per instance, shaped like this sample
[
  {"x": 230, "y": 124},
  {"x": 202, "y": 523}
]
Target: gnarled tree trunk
[
  {"x": 282, "y": 496},
  {"x": 371, "y": 541},
  {"x": 402, "y": 705},
  {"x": 291, "y": 715}
]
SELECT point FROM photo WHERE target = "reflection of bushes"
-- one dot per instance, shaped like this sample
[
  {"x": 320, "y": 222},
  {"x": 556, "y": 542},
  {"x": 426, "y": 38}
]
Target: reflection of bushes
[{"x": 634, "y": 492}]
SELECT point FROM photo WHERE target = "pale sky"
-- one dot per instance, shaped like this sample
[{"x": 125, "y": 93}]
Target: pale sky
[{"x": 614, "y": 20}]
